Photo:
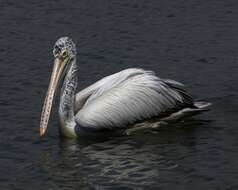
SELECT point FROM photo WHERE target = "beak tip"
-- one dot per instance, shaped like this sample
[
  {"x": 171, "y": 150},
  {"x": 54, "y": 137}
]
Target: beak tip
[{"x": 42, "y": 131}]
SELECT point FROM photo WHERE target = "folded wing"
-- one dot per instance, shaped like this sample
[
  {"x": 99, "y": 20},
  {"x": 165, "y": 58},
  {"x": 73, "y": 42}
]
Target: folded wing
[{"x": 126, "y": 97}]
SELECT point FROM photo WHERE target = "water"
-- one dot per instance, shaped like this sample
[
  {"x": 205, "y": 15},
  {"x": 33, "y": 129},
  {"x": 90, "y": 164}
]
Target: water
[{"x": 194, "y": 42}]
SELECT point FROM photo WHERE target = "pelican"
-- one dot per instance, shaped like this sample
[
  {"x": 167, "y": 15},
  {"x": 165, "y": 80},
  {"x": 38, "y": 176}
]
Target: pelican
[{"x": 116, "y": 101}]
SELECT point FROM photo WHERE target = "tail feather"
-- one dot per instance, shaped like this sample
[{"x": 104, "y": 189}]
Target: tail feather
[
  {"x": 202, "y": 106},
  {"x": 187, "y": 112}
]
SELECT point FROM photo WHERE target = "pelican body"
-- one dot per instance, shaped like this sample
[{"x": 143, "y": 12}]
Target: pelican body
[{"x": 114, "y": 102}]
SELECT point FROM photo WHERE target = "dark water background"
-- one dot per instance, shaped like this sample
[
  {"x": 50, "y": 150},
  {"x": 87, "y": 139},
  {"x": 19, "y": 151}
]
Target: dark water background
[{"x": 195, "y": 42}]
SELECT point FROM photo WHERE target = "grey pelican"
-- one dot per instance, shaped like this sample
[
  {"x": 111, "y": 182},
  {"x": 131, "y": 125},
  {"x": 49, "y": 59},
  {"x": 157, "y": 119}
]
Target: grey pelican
[{"x": 115, "y": 101}]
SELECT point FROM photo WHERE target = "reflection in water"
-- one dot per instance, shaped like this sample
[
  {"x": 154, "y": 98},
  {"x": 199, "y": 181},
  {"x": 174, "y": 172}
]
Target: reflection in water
[{"x": 121, "y": 161}]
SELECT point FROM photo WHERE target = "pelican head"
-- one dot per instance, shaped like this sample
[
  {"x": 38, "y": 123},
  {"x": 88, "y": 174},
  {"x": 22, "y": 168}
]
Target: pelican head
[{"x": 64, "y": 52}]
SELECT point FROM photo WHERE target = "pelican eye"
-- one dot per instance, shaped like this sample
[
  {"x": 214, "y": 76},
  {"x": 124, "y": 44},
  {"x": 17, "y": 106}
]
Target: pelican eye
[{"x": 64, "y": 53}]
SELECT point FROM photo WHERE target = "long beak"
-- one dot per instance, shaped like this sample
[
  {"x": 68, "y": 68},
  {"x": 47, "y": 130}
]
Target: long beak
[{"x": 58, "y": 69}]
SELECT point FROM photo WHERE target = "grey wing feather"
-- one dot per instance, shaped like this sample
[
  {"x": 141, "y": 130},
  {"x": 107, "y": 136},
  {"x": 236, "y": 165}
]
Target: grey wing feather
[
  {"x": 105, "y": 84},
  {"x": 128, "y": 96}
]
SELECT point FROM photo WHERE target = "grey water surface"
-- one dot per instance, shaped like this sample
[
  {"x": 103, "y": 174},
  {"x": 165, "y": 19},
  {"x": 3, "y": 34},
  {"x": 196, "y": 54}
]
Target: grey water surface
[{"x": 194, "y": 42}]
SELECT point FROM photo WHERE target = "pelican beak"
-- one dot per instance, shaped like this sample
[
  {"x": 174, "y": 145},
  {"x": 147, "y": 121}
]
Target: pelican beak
[{"x": 59, "y": 66}]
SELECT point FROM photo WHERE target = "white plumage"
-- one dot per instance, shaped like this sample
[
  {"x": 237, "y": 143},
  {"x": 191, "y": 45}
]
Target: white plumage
[{"x": 126, "y": 97}]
